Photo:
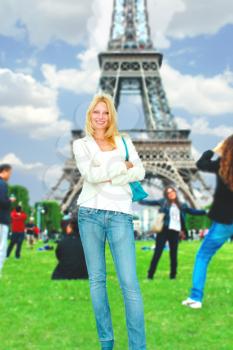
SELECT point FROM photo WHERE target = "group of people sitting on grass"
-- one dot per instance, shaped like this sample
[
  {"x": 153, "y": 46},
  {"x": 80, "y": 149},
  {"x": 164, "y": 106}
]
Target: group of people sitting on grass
[{"x": 69, "y": 250}]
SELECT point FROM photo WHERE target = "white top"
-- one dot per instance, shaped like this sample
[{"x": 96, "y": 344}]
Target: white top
[
  {"x": 109, "y": 196},
  {"x": 174, "y": 223},
  {"x": 89, "y": 160}
]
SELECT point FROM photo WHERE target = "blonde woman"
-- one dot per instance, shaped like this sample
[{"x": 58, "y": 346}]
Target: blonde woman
[{"x": 105, "y": 213}]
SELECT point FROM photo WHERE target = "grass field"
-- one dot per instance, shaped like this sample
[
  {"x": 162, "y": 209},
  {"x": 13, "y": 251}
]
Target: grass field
[{"x": 39, "y": 314}]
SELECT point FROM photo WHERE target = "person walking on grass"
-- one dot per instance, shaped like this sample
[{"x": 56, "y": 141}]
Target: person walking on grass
[
  {"x": 18, "y": 218},
  {"x": 5, "y": 205},
  {"x": 221, "y": 214},
  {"x": 173, "y": 226},
  {"x": 105, "y": 213},
  {"x": 30, "y": 232}
]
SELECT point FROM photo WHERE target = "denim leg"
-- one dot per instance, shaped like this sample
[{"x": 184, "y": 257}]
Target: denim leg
[
  {"x": 216, "y": 237},
  {"x": 3, "y": 244},
  {"x": 107, "y": 345},
  {"x": 120, "y": 235},
  {"x": 93, "y": 237}
]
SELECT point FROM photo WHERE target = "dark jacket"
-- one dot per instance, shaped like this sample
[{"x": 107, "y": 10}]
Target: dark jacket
[
  {"x": 5, "y": 203},
  {"x": 165, "y": 208},
  {"x": 71, "y": 259},
  {"x": 222, "y": 206}
]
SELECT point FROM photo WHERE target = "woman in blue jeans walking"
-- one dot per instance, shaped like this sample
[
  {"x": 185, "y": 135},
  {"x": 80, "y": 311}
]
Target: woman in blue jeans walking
[
  {"x": 105, "y": 213},
  {"x": 221, "y": 213}
]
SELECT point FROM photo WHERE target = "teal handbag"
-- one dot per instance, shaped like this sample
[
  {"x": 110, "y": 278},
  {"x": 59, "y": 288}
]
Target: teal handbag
[{"x": 136, "y": 187}]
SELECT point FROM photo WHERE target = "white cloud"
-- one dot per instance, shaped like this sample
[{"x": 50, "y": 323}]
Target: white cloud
[
  {"x": 198, "y": 94},
  {"x": 75, "y": 80},
  {"x": 195, "y": 153},
  {"x": 35, "y": 105},
  {"x": 182, "y": 123},
  {"x": 16, "y": 162},
  {"x": 72, "y": 21},
  {"x": 161, "y": 14},
  {"x": 99, "y": 23},
  {"x": 48, "y": 175},
  {"x": 202, "y": 126},
  {"x": 45, "y": 20},
  {"x": 29, "y": 106},
  {"x": 85, "y": 78},
  {"x": 201, "y": 17},
  {"x": 187, "y": 18}
]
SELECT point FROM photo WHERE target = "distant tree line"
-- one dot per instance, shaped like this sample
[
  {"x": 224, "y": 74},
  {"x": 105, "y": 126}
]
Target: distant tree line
[{"x": 50, "y": 213}]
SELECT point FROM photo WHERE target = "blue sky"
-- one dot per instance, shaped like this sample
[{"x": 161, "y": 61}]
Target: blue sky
[{"x": 49, "y": 72}]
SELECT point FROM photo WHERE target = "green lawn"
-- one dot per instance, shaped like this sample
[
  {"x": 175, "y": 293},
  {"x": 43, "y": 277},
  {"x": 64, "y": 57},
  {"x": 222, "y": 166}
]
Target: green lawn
[{"x": 38, "y": 314}]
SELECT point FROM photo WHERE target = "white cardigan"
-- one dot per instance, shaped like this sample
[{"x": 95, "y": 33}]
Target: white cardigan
[{"x": 87, "y": 154}]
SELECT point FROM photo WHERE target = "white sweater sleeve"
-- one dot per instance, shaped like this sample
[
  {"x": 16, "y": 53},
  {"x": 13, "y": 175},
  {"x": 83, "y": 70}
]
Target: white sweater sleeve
[
  {"x": 92, "y": 172},
  {"x": 137, "y": 172}
]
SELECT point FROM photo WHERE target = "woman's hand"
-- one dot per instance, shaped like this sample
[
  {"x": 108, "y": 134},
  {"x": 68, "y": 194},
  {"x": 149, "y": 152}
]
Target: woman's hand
[
  {"x": 182, "y": 235},
  {"x": 128, "y": 164},
  {"x": 218, "y": 148}
]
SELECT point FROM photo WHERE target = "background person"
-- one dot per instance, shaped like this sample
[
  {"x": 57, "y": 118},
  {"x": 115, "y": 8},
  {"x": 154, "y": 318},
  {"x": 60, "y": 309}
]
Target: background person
[
  {"x": 174, "y": 225},
  {"x": 36, "y": 232},
  {"x": 70, "y": 255},
  {"x": 30, "y": 232},
  {"x": 5, "y": 205},
  {"x": 18, "y": 218},
  {"x": 221, "y": 213}
]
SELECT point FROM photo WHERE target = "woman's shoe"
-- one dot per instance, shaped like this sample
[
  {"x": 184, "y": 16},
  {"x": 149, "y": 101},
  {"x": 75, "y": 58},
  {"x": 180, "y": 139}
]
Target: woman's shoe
[{"x": 194, "y": 304}]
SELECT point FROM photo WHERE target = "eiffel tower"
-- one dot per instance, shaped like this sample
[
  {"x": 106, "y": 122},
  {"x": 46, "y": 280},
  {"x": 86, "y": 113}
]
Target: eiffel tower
[{"x": 131, "y": 65}]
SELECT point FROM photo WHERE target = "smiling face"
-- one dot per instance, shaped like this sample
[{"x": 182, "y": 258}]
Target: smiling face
[
  {"x": 100, "y": 116},
  {"x": 171, "y": 194}
]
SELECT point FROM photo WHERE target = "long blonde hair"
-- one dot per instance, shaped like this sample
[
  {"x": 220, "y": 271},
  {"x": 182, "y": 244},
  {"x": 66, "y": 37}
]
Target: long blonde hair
[{"x": 112, "y": 128}]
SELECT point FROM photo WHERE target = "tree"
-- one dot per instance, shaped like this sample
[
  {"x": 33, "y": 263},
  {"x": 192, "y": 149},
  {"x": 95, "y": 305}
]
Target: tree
[
  {"x": 22, "y": 197},
  {"x": 48, "y": 215}
]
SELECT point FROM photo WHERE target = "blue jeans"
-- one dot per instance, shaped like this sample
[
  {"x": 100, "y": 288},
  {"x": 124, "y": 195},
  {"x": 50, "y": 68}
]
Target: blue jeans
[
  {"x": 95, "y": 226},
  {"x": 216, "y": 237},
  {"x": 3, "y": 243}
]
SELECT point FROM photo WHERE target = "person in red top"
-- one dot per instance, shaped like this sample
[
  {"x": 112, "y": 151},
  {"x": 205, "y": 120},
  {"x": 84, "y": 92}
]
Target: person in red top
[
  {"x": 36, "y": 232},
  {"x": 18, "y": 218}
]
